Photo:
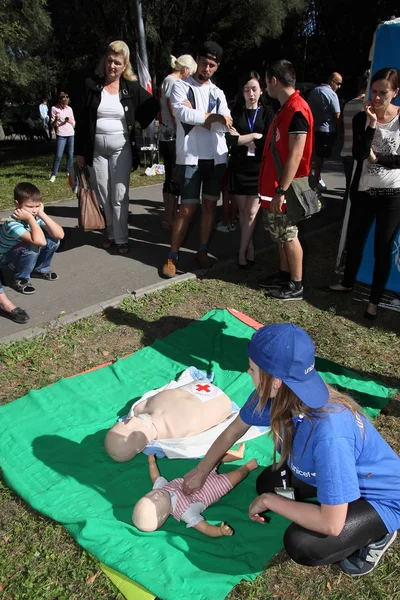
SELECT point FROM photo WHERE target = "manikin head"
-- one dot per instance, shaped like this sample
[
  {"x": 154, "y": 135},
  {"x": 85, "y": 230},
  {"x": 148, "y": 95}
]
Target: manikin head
[
  {"x": 127, "y": 439},
  {"x": 151, "y": 511}
]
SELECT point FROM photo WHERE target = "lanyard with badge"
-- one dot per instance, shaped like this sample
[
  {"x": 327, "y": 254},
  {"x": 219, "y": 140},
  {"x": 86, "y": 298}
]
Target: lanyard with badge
[
  {"x": 285, "y": 490},
  {"x": 251, "y": 123}
]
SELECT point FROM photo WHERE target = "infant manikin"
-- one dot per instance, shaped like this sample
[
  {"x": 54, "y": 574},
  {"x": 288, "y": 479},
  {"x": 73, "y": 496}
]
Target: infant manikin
[{"x": 167, "y": 498}]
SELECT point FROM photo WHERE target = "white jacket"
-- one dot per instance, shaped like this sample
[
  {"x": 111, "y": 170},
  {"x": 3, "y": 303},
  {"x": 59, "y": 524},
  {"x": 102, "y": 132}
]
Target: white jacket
[{"x": 192, "y": 140}]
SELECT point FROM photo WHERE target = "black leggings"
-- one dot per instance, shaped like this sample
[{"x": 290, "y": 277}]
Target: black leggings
[
  {"x": 168, "y": 152},
  {"x": 364, "y": 208},
  {"x": 363, "y": 525}
]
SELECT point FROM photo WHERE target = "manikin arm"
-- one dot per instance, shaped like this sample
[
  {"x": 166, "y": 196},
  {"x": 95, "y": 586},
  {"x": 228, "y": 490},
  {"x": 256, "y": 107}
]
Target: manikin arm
[
  {"x": 153, "y": 469},
  {"x": 214, "y": 530}
]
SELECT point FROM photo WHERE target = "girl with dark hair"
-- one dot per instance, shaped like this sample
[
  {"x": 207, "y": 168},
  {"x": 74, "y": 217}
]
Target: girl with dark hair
[
  {"x": 328, "y": 451},
  {"x": 251, "y": 120},
  {"x": 375, "y": 189}
]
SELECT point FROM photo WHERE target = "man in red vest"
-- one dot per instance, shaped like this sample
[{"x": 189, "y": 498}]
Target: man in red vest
[{"x": 292, "y": 131}]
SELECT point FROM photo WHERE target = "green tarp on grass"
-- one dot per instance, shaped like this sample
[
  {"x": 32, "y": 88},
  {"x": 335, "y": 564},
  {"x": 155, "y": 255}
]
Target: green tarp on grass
[{"x": 51, "y": 452}]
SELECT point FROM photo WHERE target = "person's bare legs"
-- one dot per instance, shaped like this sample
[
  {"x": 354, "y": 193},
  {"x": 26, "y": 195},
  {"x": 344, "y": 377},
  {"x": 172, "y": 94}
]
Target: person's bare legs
[
  {"x": 241, "y": 204},
  {"x": 226, "y": 208},
  {"x": 251, "y": 208},
  {"x": 233, "y": 209},
  {"x": 242, "y": 472},
  {"x": 181, "y": 224},
  {"x": 170, "y": 203},
  {"x": 5, "y": 303},
  {"x": 294, "y": 258},
  {"x": 207, "y": 219},
  {"x": 283, "y": 263}
]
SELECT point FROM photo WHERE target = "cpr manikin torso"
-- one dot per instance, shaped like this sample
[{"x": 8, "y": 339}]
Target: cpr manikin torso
[
  {"x": 185, "y": 411},
  {"x": 181, "y": 411}
]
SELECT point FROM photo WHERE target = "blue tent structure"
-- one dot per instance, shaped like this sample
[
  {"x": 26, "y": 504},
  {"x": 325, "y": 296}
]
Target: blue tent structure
[{"x": 385, "y": 53}]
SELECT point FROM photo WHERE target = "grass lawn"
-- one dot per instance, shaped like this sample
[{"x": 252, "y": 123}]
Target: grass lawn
[
  {"x": 39, "y": 560},
  {"x": 32, "y": 161}
]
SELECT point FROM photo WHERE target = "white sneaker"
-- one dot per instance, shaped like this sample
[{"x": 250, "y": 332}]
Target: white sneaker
[
  {"x": 223, "y": 228},
  {"x": 52, "y": 179}
]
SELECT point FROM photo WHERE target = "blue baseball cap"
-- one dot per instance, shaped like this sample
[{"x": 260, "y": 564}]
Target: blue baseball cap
[{"x": 287, "y": 352}]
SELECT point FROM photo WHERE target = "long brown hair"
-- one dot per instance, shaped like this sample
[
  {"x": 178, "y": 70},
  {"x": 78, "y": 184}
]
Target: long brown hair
[{"x": 286, "y": 405}]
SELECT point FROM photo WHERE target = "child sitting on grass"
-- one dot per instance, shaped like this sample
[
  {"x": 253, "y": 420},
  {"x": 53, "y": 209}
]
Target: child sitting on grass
[{"x": 28, "y": 240}]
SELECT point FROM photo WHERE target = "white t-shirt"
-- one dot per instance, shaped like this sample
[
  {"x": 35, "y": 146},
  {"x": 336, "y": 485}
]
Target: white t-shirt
[
  {"x": 386, "y": 141},
  {"x": 110, "y": 115},
  {"x": 202, "y": 95},
  {"x": 167, "y": 129},
  {"x": 194, "y": 142}
]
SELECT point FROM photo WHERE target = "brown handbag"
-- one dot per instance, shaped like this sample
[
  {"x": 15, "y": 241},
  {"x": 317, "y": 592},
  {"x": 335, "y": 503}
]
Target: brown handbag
[{"x": 90, "y": 216}]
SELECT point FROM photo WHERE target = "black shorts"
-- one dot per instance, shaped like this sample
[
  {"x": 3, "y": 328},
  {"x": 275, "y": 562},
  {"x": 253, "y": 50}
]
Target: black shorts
[{"x": 324, "y": 142}]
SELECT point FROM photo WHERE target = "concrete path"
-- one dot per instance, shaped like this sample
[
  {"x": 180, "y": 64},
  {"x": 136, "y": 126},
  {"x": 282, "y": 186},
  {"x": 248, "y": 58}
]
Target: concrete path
[{"x": 91, "y": 278}]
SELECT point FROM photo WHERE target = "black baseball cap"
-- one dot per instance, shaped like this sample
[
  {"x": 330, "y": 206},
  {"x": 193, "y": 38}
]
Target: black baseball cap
[{"x": 210, "y": 50}]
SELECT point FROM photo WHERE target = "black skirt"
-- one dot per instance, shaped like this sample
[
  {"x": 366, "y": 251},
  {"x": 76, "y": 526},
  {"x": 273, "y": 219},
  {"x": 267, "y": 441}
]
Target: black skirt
[{"x": 244, "y": 176}]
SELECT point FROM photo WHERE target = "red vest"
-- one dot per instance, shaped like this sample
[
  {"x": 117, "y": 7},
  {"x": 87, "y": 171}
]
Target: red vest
[{"x": 268, "y": 178}]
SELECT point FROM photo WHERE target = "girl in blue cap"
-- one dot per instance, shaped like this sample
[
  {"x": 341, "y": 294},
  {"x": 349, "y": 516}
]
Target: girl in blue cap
[{"x": 328, "y": 450}]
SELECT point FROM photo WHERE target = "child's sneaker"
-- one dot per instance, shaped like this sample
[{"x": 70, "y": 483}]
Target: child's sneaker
[
  {"x": 23, "y": 286},
  {"x": 364, "y": 561},
  {"x": 52, "y": 179}
]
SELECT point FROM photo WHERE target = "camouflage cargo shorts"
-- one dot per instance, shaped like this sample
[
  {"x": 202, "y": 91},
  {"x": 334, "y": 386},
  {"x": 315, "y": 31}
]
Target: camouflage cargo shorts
[{"x": 279, "y": 226}]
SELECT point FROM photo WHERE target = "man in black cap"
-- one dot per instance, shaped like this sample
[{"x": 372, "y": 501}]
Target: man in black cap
[{"x": 202, "y": 118}]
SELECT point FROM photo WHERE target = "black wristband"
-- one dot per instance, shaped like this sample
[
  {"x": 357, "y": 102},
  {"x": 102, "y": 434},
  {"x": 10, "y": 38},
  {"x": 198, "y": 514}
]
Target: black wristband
[{"x": 280, "y": 190}]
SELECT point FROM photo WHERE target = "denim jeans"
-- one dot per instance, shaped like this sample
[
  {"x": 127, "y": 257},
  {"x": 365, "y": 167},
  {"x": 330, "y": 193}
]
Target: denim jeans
[
  {"x": 63, "y": 141},
  {"x": 22, "y": 259}
]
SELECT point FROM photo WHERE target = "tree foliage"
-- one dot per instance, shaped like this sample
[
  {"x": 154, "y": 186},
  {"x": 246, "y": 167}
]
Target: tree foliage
[
  {"x": 25, "y": 27},
  {"x": 50, "y": 44}
]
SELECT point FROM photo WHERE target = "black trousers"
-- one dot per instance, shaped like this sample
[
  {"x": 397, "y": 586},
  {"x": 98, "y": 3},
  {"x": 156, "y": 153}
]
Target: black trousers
[
  {"x": 364, "y": 208},
  {"x": 168, "y": 152},
  {"x": 363, "y": 525}
]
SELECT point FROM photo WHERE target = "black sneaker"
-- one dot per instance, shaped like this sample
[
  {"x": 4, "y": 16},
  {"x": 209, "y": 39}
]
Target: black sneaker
[
  {"x": 23, "y": 286},
  {"x": 275, "y": 280},
  {"x": 48, "y": 276},
  {"x": 18, "y": 315},
  {"x": 363, "y": 561},
  {"x": 287, "y": 291}
]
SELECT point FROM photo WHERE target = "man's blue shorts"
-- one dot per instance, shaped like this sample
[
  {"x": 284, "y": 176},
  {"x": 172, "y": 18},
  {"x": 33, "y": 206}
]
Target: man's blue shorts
[{"x": 201, "y": 180}]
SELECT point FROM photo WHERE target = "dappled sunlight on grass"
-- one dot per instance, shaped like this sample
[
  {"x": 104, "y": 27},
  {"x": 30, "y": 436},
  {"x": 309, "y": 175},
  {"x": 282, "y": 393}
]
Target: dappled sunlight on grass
[{"x": 32, "y": 161}]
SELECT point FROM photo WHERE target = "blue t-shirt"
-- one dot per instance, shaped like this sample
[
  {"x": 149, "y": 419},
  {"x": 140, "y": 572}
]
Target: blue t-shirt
[
  {"x": 324, "y": 104},
  {"x": 12, "y": 230},
  {"x": 345, "y": 458}
]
